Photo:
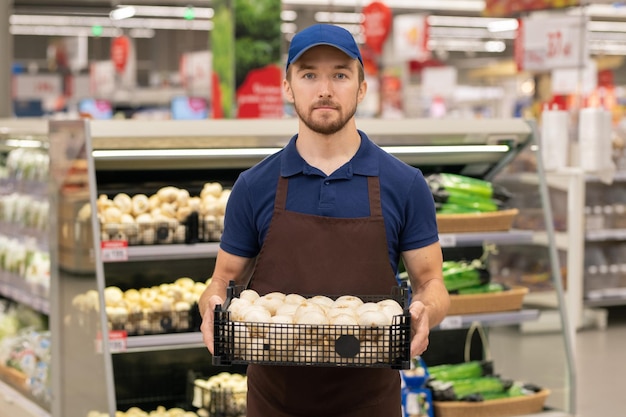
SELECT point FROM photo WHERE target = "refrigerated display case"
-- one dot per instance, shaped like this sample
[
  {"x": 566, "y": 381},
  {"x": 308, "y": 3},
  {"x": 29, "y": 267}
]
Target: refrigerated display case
[
  {"x": 24, "y": 264},
  {"x": 91, "y": 158}
]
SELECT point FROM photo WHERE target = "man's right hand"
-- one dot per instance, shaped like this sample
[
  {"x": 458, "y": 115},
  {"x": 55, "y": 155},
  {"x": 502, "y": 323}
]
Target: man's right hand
[{"x": 207, "y": 321}]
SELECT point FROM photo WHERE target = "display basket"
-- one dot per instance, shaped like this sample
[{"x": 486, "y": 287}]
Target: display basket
[
  {"x": 496, "y": 221},
  {"x": 507, "y": 300},
  {"x": 222, "y": 402},
  {"x": 156, "y": 322},
  {"x": 508, "y": 407},
  {"x": 192, "y": 229},
  {"x": 314, "y": 345}
]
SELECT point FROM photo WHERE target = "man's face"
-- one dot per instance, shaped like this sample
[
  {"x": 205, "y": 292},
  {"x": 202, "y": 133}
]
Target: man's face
[{"x": 323, "y": 84}]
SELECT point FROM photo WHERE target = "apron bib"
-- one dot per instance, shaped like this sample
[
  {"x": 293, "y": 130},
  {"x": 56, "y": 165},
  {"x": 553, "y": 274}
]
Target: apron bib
[{"x": 309, "y": 255}]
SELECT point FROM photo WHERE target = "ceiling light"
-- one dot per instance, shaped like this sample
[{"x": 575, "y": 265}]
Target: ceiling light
[
  {"x": 460, "y": 5},
  {"x": 123, "y": 12},
  {"x": 602, "y": 26},
  {"x": 172, "y": 11},
  {"x": 335, "y": 17},
  {"x": 504, "y": 25}
]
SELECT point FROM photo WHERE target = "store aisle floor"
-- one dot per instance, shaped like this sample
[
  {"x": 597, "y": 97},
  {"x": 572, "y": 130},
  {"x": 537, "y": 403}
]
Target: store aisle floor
[
  {"x": 600, "y": 364},
  {"x": 601, "y": 368}
]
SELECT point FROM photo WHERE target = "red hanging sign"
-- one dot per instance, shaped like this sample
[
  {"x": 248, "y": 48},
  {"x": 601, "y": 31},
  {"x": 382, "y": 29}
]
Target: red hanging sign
[
  {"x": 260, "y": 95},
  {"x": 120, "y": 49},
  {"x": 376, "y": 24}
]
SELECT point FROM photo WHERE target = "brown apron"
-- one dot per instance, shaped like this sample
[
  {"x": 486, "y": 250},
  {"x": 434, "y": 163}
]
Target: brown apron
[{"x": 308, "y": 254}]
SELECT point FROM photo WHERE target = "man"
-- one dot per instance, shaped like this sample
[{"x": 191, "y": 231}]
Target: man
[{"x": 331, "y": 213}]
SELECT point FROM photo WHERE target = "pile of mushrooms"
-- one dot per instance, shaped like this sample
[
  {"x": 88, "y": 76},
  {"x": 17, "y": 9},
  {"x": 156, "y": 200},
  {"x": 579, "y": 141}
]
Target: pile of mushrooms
[
  {"x": 291, "y": 328},
  {"x": 160, "y": 217}
]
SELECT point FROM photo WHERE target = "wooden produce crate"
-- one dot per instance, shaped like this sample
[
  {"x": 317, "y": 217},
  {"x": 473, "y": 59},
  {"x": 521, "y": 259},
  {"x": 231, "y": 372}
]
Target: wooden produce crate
[
  {"x": 508, "y": 300},
  {"x": 476, "y": 222},
  {"x": 507, "y": 407}
]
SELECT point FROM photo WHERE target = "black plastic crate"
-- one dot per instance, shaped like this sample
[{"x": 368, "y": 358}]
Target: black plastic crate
[{"x": 238, "y": 342}]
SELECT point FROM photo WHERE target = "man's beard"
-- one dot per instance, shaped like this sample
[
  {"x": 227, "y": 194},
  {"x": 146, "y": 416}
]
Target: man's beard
[{"x": 325, "y": 126}]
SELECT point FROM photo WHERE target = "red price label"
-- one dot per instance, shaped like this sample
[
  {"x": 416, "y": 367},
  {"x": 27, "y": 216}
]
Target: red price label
[
  {"x": 114, "y": 251},
  {"x": 118, "y": 341},
  {"x": 558, "y": 46}
]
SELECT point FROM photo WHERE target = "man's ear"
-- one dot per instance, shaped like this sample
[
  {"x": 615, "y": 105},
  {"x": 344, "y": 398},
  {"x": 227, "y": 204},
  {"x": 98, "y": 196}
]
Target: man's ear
[
  {"x": 287, "y": 93},
  {"x": 362, "y": 91}
]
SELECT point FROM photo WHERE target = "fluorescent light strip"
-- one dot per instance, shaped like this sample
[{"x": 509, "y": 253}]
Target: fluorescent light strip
[
  {"x": 170, "y": 11},
  {"x": 462, "y": 21},
  {"x": 466, "y": 45},
  {"x": 77, "y": 31},
  {"x": 461, "y": 5},
  {"x": 335, "y": 17},
  {"x": 145, "y": 23},
  {"x": 122, "y": 12},
  {"x": 263, "y": 152},
  {"x": 24, "y": 143},
  {"x": 602, "y": 26}
]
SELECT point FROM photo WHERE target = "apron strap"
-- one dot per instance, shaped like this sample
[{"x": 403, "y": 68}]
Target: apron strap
[
  {"x": 373, "y": 189},
  {"x": 280, "y": 201}
]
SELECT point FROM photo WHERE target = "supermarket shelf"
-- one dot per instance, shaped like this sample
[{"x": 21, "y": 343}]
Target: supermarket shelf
[
  {"x": 605, "y": 234},
  {"x": 503, "y": 318},
  {"x": 450, "y": 240},
  {"x": 606, "y": 302},
  {"x": 13, "y": 397},
  {"x": 163, "y": 342},
  {"x": 172, "y": 252},
  {"x": 207, "y": 250},
  {"x": 36, "y": 302}
]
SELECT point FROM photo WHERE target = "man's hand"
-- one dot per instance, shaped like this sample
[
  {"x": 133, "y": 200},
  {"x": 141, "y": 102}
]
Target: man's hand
[
  {"x": 420, "y": 328},
  {"x": 207, "y": 321}
]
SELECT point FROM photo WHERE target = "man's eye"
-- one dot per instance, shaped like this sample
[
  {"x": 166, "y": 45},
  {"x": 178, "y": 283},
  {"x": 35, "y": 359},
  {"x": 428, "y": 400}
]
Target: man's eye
[
  {"x": 341, "y": 76},
  {"x": 309, "y": 76}
]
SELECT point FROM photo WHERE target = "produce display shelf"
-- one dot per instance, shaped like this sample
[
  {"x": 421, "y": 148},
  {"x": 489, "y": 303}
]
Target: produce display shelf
[
  {"x": 605, "y": 302},
  {"x": 504, "y": 318},
  {"x": 451, "y": 240},
  {"x": 36, "y": 302},
  {"x": 172, "y": 252},
  {"x": 605, "y": 234},
  {"x": 12, "y": 396},
  {"x": 202, "y": 250},
  {"x": 163, "y": 342}
]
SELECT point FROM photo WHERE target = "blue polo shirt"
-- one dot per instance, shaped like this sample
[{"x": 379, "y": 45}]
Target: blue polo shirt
[{"x": 407, "y": 202}]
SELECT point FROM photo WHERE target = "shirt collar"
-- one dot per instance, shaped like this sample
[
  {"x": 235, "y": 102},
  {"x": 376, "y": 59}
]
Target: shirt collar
[{"x": 363, "y": 163}]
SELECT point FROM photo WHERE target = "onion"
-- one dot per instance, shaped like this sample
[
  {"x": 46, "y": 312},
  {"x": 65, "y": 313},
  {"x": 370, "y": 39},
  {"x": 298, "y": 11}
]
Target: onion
[
  {"x": 256, "y": 349},
  {"x": 391, "y": 308},
  {"x": 249, "y": 295},
  {"x": 257, "y": 317},
  {"x": 368, "y": 354},
  {"x": 322, "y": 300},
  {"x": 294, "y": 299},
  {"x": 286, "y": 310},
  {"x": 281, "y": 338},
  {"x": 348, "y": 301},
  {"x": 337, "y": 311},
  {"x": 275, "y": 295},
  {"x": 348, "y": 323},
  {"x": 271, "y": 304},
  {"x": 372, "y": 325},
  {"x": 365, "y": 307}
]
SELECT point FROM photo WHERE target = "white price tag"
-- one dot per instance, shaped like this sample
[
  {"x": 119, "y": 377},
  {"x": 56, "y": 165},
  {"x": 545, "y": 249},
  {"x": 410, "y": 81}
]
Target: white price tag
[
  {"x": 556, "y": 42},
  {"x": 451, "y": 322},
  {"x": 447, "y": 240},
  {"x": 114, "y": 251},
  {"x": 118, "y": 341}
]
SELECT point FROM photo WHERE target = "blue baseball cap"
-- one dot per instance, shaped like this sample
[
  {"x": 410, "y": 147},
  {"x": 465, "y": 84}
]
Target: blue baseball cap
[{"x": 323, "y": 34}]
